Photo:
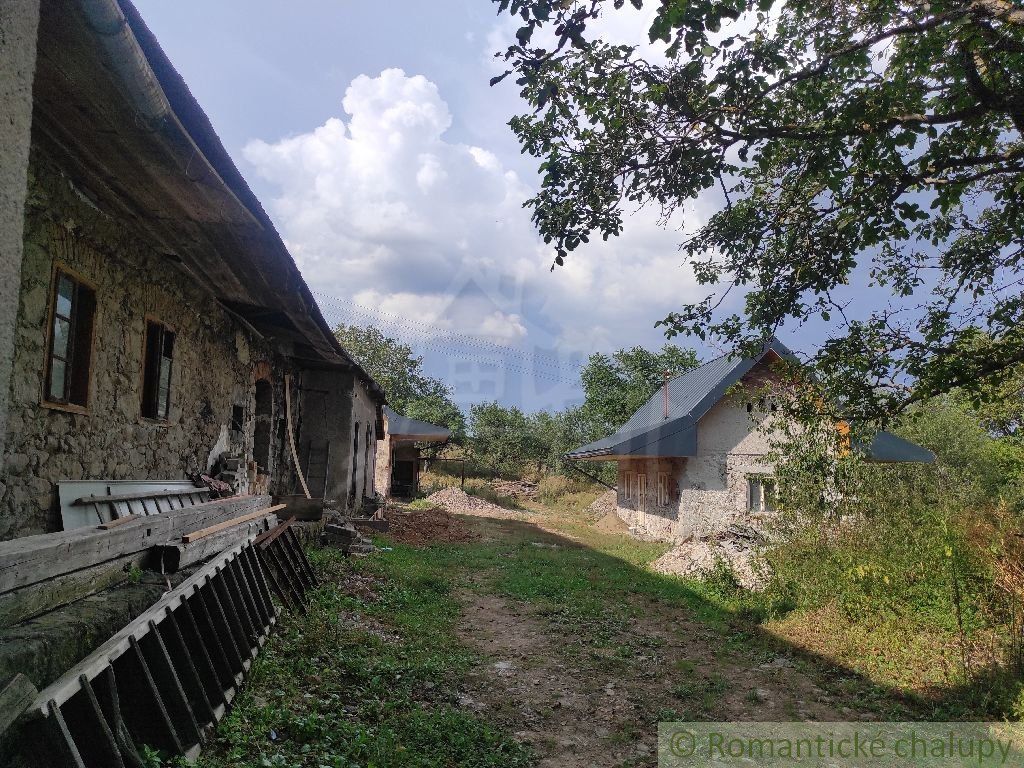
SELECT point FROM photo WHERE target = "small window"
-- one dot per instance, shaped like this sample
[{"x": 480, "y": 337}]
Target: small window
[
  {"x": 627, "y": 484},
  {"x": 237, "y": 418},
  {"x": 662, "y": 489},
  {"x": 156, "y": 378},
  {"x": 69, "y": 356},
  {"x": 761, "y": 494}
]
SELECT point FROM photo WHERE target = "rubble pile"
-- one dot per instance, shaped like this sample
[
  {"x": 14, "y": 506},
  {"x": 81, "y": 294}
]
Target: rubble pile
[
  {"x": 342, "y": 534},
  {"x": 603, "y": 505},
  {"x": 516, "y": 489},
  {"x": 458, "y": 502},
  {"x": 737, "y": 545}
]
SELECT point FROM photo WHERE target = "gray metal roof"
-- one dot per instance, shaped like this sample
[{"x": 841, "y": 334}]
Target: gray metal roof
[
  {"x": 690, "y": 396},
  {"x": 887, "y": 448},
  {"x": 403, "y": 428}
]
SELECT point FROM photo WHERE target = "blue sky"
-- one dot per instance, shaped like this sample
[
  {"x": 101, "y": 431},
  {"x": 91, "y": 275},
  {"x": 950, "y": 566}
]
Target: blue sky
[{"x": 371, "y": 135}]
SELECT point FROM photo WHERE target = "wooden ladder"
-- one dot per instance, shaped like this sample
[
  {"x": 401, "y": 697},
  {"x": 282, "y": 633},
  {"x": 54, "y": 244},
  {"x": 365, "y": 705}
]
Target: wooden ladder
[{"x": 171, "y": 674}]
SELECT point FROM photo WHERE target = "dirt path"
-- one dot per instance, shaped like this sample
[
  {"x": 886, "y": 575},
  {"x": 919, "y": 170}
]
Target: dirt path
[{"x": 579, "y": 703}]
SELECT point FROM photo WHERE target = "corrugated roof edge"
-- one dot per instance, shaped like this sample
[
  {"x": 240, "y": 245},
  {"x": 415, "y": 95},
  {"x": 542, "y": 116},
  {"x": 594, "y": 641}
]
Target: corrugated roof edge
[
  {"x": 402, "y": 426},
  {"x": 199, "y": 127}
]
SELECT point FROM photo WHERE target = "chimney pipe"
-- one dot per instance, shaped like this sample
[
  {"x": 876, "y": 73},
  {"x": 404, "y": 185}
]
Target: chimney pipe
[{"x": 664, "y": 387}]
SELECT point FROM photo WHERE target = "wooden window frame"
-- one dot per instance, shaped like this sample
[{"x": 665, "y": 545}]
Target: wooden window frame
[
  {"x": 663, "y": 493},
  {"x": 766, "y": 502},
  {"x": 71, "y": 364},
  {"x": 641, "y": 496},
  {"x": 628, "y": 478},
  {"x": 144, "y": 395}
]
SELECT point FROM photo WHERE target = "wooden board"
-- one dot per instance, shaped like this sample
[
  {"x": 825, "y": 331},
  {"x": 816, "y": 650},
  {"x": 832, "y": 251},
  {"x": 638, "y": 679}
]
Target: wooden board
[
  {"x": 16, "y": 695},
  {"x": 188, "y": 538},
  {"x": 173, "y": 557},
  {"x": 35, "y": 599},
  {"x": 32, "y": 559}
]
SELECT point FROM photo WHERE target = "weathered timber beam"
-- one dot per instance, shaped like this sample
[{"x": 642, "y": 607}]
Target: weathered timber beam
[
  {"x": 16, "y": 695},
  {"x": 32, "y": 559},
  {"x": 35, "y": 599},
  {"x": 94, "y": 499},
  {"x": 174, "y": 557},
  {"x": 188, "y": 538}
]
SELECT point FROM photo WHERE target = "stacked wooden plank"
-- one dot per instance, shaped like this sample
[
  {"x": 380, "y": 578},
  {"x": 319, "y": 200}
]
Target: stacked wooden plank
[{"x": 39, "y": 573}]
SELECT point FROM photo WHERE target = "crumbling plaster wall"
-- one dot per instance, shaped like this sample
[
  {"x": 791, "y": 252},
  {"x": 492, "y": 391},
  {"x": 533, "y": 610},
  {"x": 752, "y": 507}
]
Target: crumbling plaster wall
[
  {"x": 213, "y": 366},
  {"x": 731, "y": 446}
]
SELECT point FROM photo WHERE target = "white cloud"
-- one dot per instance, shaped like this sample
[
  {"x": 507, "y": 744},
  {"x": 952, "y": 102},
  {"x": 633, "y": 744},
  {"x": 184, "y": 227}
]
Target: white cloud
[{"x": 379, "y": 208}]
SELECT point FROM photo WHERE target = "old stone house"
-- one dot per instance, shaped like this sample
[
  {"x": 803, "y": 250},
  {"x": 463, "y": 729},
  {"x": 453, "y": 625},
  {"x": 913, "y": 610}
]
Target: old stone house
[
  {"x": 694, "y": 458},
  {"x": 398, "y": 453},
  {"x": 153, "y": 328},
  {"x": 153, "y": 319}
]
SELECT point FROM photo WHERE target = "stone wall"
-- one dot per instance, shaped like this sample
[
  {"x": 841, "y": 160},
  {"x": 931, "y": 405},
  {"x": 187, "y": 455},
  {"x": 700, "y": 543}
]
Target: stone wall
[
  {"x": 382, "y": 463},
  {"x": 215, "y": 363},
  {"x": 648, "y": 515},
  {"x": 19, "y": 23},
  {"x": 364, "y": 422}
]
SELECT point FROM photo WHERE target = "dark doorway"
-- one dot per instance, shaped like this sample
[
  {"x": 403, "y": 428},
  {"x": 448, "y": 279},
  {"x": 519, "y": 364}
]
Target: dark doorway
[
  {"x": 355, "y": 465},
  {"x": 403, "y": 478},
  {"x": 264, "y": 420}
]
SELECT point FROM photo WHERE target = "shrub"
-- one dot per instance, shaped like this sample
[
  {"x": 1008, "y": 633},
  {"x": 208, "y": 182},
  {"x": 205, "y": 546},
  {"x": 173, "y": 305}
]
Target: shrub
[{"x": 553, "y": 487}]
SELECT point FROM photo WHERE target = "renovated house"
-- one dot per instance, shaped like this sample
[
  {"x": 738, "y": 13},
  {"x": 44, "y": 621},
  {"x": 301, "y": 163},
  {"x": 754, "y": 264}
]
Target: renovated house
[
  {"x": 398, "y": 453},
  {"x": 694, "y": 457}
]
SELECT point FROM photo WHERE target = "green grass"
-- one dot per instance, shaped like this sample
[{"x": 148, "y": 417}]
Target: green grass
[
  {"x": 363, "y": 683},
  {"x": 374, "y": 681}
]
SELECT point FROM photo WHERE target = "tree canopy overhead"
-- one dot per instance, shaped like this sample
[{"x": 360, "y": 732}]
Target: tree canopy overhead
[{"x": 866, "y": 142}]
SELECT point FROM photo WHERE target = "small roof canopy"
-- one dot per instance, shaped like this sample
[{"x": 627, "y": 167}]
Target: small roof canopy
[
  {"x": 691, "y": 395},
  {"x": 405, "y": 429},
  {"x": 887, "y": 448}
]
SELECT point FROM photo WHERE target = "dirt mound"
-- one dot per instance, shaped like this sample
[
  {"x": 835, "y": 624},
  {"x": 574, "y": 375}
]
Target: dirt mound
[
  {"x": 419, "y": 527},
  {"x": 603, "y": 506},
  {"x": 611, "y": 523},
  {"x": 736, "y": 546},
  {"x": 458, "y": 502}
]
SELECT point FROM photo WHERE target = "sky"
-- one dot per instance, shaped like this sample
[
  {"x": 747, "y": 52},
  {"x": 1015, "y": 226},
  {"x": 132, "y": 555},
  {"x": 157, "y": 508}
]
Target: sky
[{"x": 371, "y": 135}]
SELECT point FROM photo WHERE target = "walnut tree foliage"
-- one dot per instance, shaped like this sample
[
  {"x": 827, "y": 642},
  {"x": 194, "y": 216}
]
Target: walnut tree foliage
[{"x": 867, "y": 142}]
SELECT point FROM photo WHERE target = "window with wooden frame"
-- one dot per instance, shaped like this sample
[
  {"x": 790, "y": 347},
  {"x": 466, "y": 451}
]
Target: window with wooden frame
[
  {"x": 627, "y": 485},
  {"x": 761, "y": 494},
  {"x": 663, "y": 489},
  {"x": 641, "y": 495},
  {"x": 69, "y": 350},
  {"x": 156, "y": 371}
]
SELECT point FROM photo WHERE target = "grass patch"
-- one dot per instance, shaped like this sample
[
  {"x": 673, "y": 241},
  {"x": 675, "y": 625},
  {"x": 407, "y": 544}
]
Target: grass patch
[{"x": 357, "y": 683}]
